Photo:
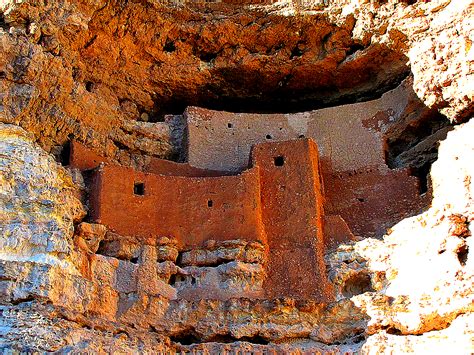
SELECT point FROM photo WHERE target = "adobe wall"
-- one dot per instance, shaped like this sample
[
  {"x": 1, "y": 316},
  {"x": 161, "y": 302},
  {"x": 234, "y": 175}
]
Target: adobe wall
[
  {"x": 349, "y": 136},
  {"x": 336, "y": 232},
  {"x": 191, "y": 209},
  {"x": 83, "y": 158},
  {"x": 171, "y": 168},
  {"x": 278, "y": 202},
  {"x": 358, "y": 184},
  {"x": 372, "y": 199},
  {"x": 292, "y": 213}
]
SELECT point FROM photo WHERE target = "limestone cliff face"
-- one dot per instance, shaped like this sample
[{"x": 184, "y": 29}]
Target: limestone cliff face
[
  {"x": 106, "y": 73},
  {"x": 40, "y": 205},
  {"x": 421, "y": 274}
]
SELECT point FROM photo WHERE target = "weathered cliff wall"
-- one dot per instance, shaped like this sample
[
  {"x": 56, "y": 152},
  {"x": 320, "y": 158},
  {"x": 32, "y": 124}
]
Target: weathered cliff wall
[
  {"x": 106, "y": 73},
  {"x": 96, "y": 71}
]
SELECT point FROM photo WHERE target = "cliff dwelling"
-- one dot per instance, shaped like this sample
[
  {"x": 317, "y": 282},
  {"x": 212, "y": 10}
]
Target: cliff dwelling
[
  {"x": 237, "y": 177},
  {"x": 292, "y": 183}
]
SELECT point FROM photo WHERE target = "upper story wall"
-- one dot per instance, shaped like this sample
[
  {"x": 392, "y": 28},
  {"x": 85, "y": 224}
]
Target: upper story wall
[
  {"x": 349, "y": 137},
  {"x": 83, "y": 158}
]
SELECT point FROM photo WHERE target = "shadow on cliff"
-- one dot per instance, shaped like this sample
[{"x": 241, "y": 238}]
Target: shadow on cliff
[{"x": 364, "y": 74}]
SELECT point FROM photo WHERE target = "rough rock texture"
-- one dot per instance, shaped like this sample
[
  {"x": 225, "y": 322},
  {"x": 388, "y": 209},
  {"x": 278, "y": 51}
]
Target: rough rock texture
[
  {"x": 437, "y": 38},
  {"x": 456, "y": 339},
  {"x": 38, "y": 199},
  {"x": 420, "y": 277},
  {"x": 443, "y": 63},
  {"x": 104, "y": 73},
  {"x": 30, "y": 327},
  {"x": 98, "y": 71}
]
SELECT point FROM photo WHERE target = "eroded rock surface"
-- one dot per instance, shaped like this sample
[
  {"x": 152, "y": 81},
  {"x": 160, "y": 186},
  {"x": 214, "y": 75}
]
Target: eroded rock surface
[
  {"x": 104, "y": 74},
  {"x": 39, "y": 201},
  {"x": 115, "y": 292},
  {"x": 419, "y": 278}
]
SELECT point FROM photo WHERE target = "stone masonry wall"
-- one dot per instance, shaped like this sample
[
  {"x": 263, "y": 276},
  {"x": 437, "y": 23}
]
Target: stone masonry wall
[
  {"x": 279, "y": 202},
  {"x": 349, "y": 137},
  {"x": 191, "y": 209},
  {"x": 351, "y": 141}
]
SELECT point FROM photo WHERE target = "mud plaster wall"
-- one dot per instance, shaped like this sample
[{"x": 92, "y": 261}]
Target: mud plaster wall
[
  {"x": 292, "y": 206},
  {"x": 373, "y": 199},
  {"x": 278, "y": 202},
  {"x": 191, "y": 209},
  {"x": 349, "y": 137},
  {"x": 83, "y": 158},
  {"x": 358, "y": 184}
]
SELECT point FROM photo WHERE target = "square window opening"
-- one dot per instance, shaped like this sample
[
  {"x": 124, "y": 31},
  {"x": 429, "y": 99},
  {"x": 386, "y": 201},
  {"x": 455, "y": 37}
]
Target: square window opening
[
  {"x": 139, "y": 188},
  {"x": 279, "y": 160}
]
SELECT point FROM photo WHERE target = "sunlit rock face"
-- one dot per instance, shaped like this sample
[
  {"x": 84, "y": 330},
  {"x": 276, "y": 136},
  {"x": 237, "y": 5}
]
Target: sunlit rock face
[
  {"x": 105, "y": 75},
  {"x": 444, "y": 74},
  {"x": 38, "y": 206},
  {"x": 39, "y": 201},
  {"x": 437, "y": 38},
  {"x": 420, "y": 277}
]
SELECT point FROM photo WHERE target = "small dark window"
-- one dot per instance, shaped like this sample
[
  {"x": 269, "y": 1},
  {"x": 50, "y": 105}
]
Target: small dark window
[
  {"x": 268, "y": 136},
  {"x": 169, "y": 46},
  {"x": 360, "y": 199},
  {"x": 65, "y": 155},
  {"x": 139, "y": 189},
  {"x": 279, "y": 160},
  {"x": 301, "y": 136},
  {"x": 89, "y": 86},
  {"x": 230, "y": 125},
  {"x": 209, "y": 203}
]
